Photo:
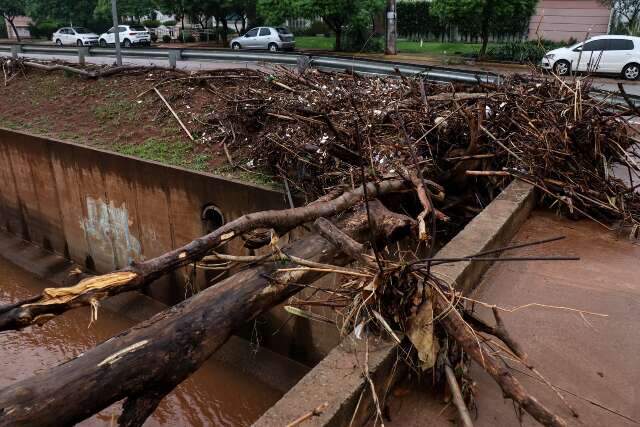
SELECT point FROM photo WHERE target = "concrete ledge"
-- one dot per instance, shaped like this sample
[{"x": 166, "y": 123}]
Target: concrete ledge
[{"x": 338, "y": 378}]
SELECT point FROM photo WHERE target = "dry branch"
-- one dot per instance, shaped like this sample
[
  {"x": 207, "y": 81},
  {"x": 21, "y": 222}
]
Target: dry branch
[
  {"x": 454, "y": 324},
  {"x": 174, "y": 113}
]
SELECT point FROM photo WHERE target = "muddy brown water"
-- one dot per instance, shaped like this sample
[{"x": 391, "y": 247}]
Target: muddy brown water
[{"x": 215, "y": 395}]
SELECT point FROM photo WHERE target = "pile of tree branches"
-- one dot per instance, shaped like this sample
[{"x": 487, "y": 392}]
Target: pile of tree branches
[{"x": 316, "y": 130}]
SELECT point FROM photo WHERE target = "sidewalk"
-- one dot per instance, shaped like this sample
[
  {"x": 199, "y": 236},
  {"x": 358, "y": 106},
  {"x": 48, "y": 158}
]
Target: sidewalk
[{"x": 595, "y": 359}]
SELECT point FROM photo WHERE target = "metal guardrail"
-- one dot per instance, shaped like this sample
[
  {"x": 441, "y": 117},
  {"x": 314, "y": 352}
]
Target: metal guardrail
[
  {"x": 367, "y": 66},
  {"x": 328, "y": 62}
]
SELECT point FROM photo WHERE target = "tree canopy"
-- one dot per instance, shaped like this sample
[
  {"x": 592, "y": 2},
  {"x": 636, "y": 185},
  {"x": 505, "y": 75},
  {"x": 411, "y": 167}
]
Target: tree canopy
[
  {"x": 78, "y": 12},
  {"x": 483, "y": 17},
  {"x": 337, "y": 14},
  {"x": 626, "y": 13}
]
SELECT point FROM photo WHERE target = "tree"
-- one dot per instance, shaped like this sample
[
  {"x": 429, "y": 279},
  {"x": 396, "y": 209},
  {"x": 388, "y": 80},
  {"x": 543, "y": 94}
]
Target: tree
[
  {"x": 135, "y": 9},
  {"x": 178, "y": 8},
  {"x": 496, "y": 16},
  {"x": 129, "y": 9},
  {"x": 337, "y": 14},
  {"x": 246, "y": 11},
  {"x": 77, "y": 12},
  {"x": 9, "y": 9},
  {"x": 627, "y": 13}
]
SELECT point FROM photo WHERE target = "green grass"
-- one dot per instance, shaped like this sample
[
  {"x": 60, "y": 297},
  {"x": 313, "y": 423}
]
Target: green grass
[
  {"x": 307, "y": 42},
  {"x": 435, "y": 48},
  {"x": 116, "y": 110},
  {"x": 255, "y": 177},
  {"x": 404, "y": 46},
  {"x": 172, "y": 153}
]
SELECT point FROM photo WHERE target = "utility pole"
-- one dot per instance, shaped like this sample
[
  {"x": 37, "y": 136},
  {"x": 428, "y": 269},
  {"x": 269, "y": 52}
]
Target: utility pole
[
  {"x": 116, "y": 33},
  {"x": 392, "y": 32}
]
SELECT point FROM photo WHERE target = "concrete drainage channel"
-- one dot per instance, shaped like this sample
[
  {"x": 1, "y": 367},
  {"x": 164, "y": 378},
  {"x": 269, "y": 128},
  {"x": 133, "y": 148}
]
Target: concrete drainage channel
[{"x": 34, "y": 206}]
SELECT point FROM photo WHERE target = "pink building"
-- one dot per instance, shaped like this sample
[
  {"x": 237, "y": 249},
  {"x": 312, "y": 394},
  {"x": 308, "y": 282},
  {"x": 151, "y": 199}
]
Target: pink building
[
  {"x": 22, "y": 25},
  {"x": 560, "y": 20}
]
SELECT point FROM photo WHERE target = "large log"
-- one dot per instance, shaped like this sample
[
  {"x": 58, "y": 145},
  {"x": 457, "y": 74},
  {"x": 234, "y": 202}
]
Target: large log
[
  {"x": 54, "y": 301},
  {"x": 143, "y": 364}
]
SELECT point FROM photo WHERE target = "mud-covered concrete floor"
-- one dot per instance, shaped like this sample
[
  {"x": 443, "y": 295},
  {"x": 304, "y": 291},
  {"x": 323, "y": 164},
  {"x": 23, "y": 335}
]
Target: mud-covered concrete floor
[{"x": 593, "y": 359}]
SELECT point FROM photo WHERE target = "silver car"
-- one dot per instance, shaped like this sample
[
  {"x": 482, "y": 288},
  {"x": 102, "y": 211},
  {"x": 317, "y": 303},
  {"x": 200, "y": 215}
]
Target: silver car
[{"x": 272, "y": 38}]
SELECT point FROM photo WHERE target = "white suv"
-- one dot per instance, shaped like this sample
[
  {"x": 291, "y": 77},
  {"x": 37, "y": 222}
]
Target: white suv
[
  {"x": 601, "y": 54},
  {"x": 78, "y": 36},
  {"x": 129, "y": 35}
]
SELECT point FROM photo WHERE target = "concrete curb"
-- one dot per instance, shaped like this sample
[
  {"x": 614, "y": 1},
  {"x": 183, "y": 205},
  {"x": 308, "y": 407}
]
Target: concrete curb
[{"x": 338, "y": 378}]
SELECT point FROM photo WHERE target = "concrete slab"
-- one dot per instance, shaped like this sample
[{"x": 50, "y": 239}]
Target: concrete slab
[{"x": 594, "y": 359}]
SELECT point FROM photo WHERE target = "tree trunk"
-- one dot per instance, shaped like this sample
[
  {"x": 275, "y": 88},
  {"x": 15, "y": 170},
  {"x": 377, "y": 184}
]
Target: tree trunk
[
  {"x": 338, "y": 32},
  {"x": 225, "y": 30},
  {"x": 147, "y": 361},
  {"x": 250, "y": 13},
  {"x": 487, "y": 15}
]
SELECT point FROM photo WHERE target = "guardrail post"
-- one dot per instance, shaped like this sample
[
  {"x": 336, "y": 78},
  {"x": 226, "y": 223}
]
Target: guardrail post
[
  {"x": 15, "y": 50},
  {"x": 83, "y": 52},
  {"x": 174, "y": 56}
]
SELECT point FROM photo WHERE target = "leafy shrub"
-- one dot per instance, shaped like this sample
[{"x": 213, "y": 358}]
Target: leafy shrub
[
  {"x": 166, "y": 38},
  {"x": 169, "y": 23},
  {"x": 358, "y": 36},
  {"x": 523, "y": 51},
  {"x": 151, "y": 23},
  {"x": 44, "y": 29},
  {"x": 186, "y": 38}
]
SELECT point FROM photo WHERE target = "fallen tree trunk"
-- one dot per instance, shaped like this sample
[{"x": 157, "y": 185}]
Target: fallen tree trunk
[
  {"x": 102, "y": 72},
  {"x": 147, "y": 361},
  {"x": 84, "y": 73},
  {"x": 54, "y": 301}
]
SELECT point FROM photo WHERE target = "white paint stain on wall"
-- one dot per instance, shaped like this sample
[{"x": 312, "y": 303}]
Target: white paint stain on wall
[{"x": 107, "y": 228}]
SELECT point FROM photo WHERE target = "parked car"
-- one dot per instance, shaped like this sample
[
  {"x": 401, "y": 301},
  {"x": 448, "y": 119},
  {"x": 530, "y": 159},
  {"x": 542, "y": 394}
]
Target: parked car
[
  {"x": 601, "y": 54},
  {"x": 272, "y": 38},
  {"x": 78, "y": 36},
  {"x": 129, "y": 35}
]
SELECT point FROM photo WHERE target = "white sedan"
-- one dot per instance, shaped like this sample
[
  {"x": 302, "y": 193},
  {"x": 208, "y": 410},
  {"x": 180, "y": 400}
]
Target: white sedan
[
  {"x": 129, "y": 35},
  {"x": 601, "y": 54},
  {"x": 77, "y": 36}
]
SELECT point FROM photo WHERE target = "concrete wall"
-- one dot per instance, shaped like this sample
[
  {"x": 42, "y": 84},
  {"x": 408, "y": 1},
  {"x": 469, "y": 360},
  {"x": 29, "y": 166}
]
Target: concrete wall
[
  {"x": 104, "y": 210},
  {"x": 560, "y": 20}
]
